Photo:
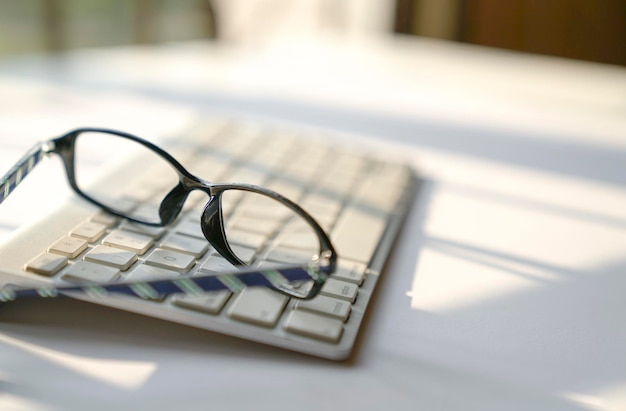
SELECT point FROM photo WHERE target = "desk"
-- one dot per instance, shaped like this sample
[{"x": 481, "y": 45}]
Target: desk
[{"x": 505, "y": 289}]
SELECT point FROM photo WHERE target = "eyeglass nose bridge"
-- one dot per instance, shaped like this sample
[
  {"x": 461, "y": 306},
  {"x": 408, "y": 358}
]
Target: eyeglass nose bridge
[
  {"x": 212, "y": 224},
  {"x": 172, "y": 204}
]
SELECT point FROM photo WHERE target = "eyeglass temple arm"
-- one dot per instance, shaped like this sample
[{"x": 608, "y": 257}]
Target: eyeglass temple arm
[
  {"x": 22, "y": 168},
  {"x": 234, "y": 282}
]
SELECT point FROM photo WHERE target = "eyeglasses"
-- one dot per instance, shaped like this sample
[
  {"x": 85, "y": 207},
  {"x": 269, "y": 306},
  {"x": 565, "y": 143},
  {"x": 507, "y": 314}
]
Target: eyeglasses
[{"x": 238, "y": 220}]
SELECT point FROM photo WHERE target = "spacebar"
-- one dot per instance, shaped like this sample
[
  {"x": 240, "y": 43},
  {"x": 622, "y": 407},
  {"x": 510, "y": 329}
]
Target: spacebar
[{"x": 357, "y": 234}]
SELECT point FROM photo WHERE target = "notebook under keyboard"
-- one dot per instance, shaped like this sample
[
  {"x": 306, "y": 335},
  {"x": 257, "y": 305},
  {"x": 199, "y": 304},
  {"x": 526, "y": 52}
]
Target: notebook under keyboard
[{"x": 358, "y": 199}]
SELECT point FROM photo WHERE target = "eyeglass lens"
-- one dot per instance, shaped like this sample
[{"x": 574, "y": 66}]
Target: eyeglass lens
[
  {"x": 137, "y": 193},
  {"x": 261, "y": 229}
]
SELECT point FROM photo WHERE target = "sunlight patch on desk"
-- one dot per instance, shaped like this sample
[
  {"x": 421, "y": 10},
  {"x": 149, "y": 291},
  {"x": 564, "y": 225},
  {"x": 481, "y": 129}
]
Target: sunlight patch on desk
[
  {"x": 590, "y": 402},
  {"x": 453, "y": 282},
  {"x": 484, "y": 240},
  {"x": 10, "y": 402},
  {"x": 128, "y": 375},
  {"x": 533, "y": 234},
  {"x": 610, "y": 398}
]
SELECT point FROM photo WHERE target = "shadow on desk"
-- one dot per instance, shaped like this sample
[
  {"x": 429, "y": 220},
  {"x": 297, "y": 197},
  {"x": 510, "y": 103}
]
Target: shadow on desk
[{"x": 67, "y": 320}]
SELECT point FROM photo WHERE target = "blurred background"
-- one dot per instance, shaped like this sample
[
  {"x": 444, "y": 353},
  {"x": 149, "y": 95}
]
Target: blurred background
[{"x": 593, "y": 30}]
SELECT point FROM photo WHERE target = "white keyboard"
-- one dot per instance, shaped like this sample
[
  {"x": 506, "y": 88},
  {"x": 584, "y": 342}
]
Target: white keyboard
[{"x": 358, "y": 199}]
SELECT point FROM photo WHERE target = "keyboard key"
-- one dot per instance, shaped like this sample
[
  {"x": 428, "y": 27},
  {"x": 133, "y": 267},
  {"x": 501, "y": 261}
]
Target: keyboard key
[
  {"x": 381, "y": 189},
  {"x": 289, "y": 255},
  {"x": 325, "y": 221},
  {"x": 128, "y": 241},
  {"x": 105, "y": 218},
  {"x": 313, "y": 325},
  {"x": 140, "y": 192},
  {"x": 340, "y": 289},
  {"x": 185, "y": 244},
  {"x": 195, "y": 200},
  {"x": 113, "y": 257},
  {"x": 331, "y": 307},
  {"x": 214, "y": 168},
  {"x": 302, "y": 170},
  {"x": 287, "y": 189},
  {"x": 150, "y": 273},
  {"x": 246, "y": 238},
  {"x": 170, "y": 260},
  {"x": 211, "y": 303},
  {"x": 297, "y": 235},
  {"x": 89, "y": 230},
  {"x": 259, "y": 306},
  {"x": 322, "y": 204},
  {"x": 191, "y": 228},
  {"x": 356, "y": 234},
  {"x": 123, "y": 205},
  {"x": 269, "y": 265},
  {"x": 250, "y": 176},
  {"x": 146, "y": 212},
  {"x": 154, "y": 232},
  {"x": 46, "y": 264},
  {"x": 70, "y": 247},
  {"x": 217, "y": 264},
  {"x": 337, "y": 183},
  {"x": 245, "y": 254},
  {"x": 262, "y": 226},
  {"x": 263, "y": 207},
  {"x": 85, "y": 271},
  {"x": 350, "y": 271}
]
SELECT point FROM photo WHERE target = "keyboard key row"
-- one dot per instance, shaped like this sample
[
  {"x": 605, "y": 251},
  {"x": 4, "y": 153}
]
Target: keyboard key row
[{"x": 320, "y": 318}]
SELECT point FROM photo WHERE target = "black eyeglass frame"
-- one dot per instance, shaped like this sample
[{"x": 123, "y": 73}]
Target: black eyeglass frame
[{"x": 212, "y": 219}]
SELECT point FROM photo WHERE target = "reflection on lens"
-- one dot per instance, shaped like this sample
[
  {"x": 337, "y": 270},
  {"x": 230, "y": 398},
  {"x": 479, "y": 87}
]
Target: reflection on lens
[
  {"x": 262, "y": 231},
  {"x": 137, "y": 179}
]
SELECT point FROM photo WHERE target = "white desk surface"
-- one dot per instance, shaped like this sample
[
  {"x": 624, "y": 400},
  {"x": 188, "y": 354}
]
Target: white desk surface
[{"x": 505, "y": 289}]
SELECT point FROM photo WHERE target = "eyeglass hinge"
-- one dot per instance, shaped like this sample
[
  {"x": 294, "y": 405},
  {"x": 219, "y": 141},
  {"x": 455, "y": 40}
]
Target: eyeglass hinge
[{"x": 48, "y": 147}]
